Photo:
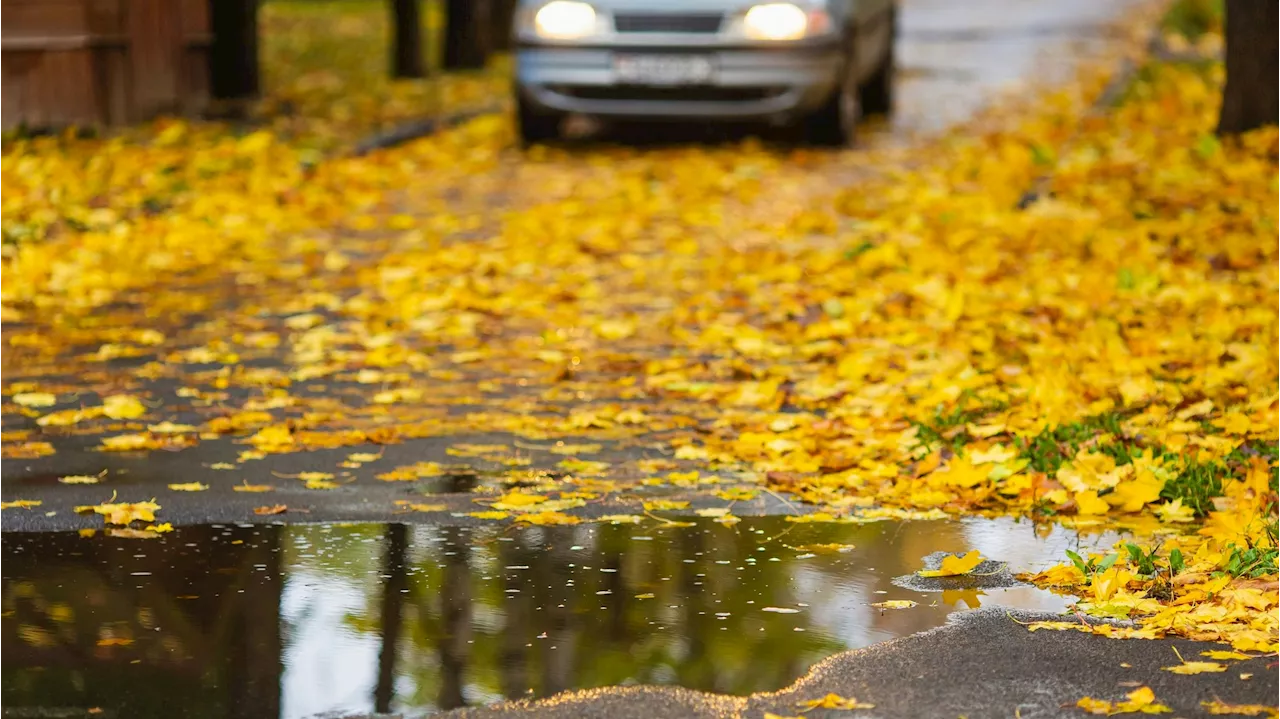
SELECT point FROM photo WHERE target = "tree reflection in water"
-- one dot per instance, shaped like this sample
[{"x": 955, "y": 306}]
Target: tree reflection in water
[{"x": 194, "y": 624}]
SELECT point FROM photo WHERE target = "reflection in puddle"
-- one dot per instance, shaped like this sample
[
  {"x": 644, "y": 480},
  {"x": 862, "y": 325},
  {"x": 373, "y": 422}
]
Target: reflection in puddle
[{"x": 292, "y": 621}]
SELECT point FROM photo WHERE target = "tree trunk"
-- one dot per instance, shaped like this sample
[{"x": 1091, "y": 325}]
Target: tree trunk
[
  {"x": 233, "y": 56},
  {"x": 1249, "y": 99},
  {"x": 501, "y": 14},
  {"x": 406, "y": 45},
  {"x": 466, "y": 45}
]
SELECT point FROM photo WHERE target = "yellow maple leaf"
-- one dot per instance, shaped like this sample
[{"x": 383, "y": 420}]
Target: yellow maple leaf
[
  {"x": 621, "y": 518},
  {"x": 246, "y": 487},
  {"x": 835, "y": 701},
  {"x": 547, "y": 518},
  {"x": 189, "y": 487},
  {"x": 814, "y": 517},
  {"x": 1107, "y": 584},
  {"x": 517, "y": 500},
  {"x": 488, "y": 515},
  {"x": 960, "y": 472},
  {"x": 123, "y": 513},
  {"x": 1222, "y": 654},
  {"x": 1196, "y": 668},
  {"x": 894, "y": 604},
  {"x": 418, "y": 507},
  {"x": 35, "y": 399},
  {"x": 167, "y": 427},
  {"x": 79, "y": 479},
  {"x": 954, "y": 566},
  {"x": 67, "y": 417},
  {"x": 737, "y": 494},
  {"x": 129, "y": 443},
  {"x": 123, "y": 406},
  {"x": 826, "y": 547},
  {"x": 665, "y": 504},
  {"x": 1087, "y": 502},
  {"x": 1175, "y": 511},
  {"x": 1141, "y": 700},
  {"x": 21, "y": 504},
  {"x": 273, "y": 438},
  {"x": 1218, "y": 707}
]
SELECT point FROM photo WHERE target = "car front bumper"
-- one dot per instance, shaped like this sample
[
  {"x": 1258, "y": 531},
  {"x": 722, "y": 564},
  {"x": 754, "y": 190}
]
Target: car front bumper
[{"x": 748, "y": 83}]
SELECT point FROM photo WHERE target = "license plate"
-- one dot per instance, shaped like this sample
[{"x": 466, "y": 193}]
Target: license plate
[{"x": 663, "y": 69}]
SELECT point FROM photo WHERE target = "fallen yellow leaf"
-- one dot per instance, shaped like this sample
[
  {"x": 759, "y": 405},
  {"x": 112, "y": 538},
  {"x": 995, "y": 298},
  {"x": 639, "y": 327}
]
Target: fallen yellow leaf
[
  {"x": 123, "y": 513},
  {"x": 954, "y": 566},
  {"x": 665, "y": 504},
  {"x": 895, "y": 604},
  {"x": 547, "y": 518},
  {"x": 35, "y": 399},
  {"x": 835, "y": 701}
]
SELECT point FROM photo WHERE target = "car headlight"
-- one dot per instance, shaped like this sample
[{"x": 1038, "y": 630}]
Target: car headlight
[
  {"x": 776, "y": 21},
  {"x": 565, "y": 20}
]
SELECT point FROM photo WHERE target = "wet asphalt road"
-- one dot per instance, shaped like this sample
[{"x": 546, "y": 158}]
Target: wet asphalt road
[{"x": 982, "y": 666}]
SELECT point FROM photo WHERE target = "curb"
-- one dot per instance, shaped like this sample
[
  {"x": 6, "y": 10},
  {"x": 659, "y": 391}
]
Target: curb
[{"x": 418, "y": 129}]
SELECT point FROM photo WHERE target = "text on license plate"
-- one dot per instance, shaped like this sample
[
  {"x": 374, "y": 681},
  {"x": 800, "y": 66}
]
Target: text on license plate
[{"x": 663, "y": 69}]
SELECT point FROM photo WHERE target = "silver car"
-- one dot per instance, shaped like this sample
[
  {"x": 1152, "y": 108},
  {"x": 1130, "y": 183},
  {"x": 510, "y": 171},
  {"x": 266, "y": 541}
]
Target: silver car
[{"x": 813, "y": 64}]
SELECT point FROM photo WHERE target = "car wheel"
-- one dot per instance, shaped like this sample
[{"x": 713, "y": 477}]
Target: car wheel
[
  {"x": 835, "y": 124},
  {"x": 877, "y": 93},
  {"x": 534, "y": 125}
]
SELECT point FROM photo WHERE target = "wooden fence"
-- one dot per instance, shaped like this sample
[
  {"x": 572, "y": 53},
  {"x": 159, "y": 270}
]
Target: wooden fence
[{"x": 102, "y": 62}]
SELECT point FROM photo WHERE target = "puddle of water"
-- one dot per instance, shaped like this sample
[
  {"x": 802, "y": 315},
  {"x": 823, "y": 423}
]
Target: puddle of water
[{"x": 294, "y": 621}]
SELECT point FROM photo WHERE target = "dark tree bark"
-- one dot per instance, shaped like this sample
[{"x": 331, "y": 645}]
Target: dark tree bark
[
  {"x": 1253, "y": 55},
  {"x": 501, "y": 15},
  {"x": 233, "y": 57},
  {"x": 406, "y": 46},
  {"x": 466, "y": 30},
  {"x": 455, "y": 616},
  {"x": 394, "y": 569}
]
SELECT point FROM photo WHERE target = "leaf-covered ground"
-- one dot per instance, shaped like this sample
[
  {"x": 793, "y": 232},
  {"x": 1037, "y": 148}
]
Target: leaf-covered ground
[{"x": 1059, "y": 311}]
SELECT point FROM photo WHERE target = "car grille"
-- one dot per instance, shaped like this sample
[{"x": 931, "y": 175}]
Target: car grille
[
  {"x": 707, "y": 23},
  {"x": 684, "y": 94}
]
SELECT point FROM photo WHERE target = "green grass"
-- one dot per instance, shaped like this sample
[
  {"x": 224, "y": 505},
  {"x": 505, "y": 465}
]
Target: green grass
[
  {"x": 1255, "y": 560},
  {"x": 945, "y": 421},
  {"x": 1196, "y": 485},
  {"x": 1047, "y": 451}
]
